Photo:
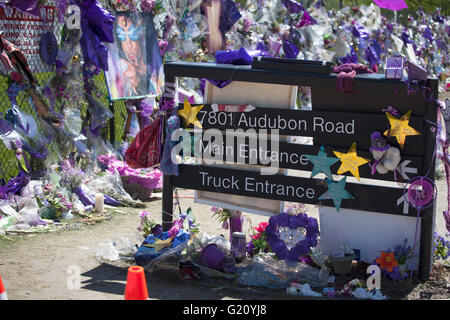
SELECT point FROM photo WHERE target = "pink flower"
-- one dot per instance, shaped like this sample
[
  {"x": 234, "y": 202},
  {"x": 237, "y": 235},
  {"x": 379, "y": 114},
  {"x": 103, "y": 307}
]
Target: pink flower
[
  {"x": 262, "y": 227},
  {"x": 256, "y": 236},
  {"x": 144, "y": 214},
  {"x": 176, "y": 226}
]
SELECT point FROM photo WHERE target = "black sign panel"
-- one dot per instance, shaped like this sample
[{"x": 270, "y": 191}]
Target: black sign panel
[
  {"x": 295, "y": 156},
  {"x": 287, "y": 188},
  {"x": 339, "y": 129}
]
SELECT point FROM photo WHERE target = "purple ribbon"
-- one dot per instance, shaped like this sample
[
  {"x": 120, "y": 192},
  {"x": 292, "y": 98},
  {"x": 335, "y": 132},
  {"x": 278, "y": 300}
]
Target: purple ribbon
[
  {"x": 26, "y": 6},
  {"x": 97, "y": 26},
  {"x": 292, "y": 6}
]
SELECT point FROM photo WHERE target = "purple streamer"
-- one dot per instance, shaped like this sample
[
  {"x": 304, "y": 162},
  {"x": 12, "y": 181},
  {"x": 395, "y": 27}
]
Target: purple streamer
[
  {"x": 292, "y": 6},
  {"x": 290, "y": 49},
  {"x": 26, "y": 6},
  {"x": 14, "y": 185},
  {"x": 83, "y": 197},
  {"x": 230, "y": 15}
]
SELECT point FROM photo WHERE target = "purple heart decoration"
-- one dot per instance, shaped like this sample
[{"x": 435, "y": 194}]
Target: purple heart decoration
[{"x": 306, "y": 229}]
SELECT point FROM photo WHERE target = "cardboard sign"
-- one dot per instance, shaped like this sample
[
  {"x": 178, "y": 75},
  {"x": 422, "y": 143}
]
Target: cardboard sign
[{"x": 25, "y": 32}]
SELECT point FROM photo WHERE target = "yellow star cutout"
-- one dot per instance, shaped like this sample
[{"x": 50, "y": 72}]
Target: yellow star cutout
[
  {"x": 189, "y": 114},
  {"x": 350, "y": 161},
  {"x": 160, "y": 244},
  {"x": 400, "y": 128}
]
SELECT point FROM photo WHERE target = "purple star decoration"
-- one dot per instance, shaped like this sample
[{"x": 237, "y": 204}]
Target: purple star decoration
[{"x": 302, "y": 247}]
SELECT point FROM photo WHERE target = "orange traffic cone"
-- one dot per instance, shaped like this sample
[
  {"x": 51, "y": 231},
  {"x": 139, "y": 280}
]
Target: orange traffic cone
[
  {"x": 136, "y": 288},
  {"x": 2, "y": 291}
]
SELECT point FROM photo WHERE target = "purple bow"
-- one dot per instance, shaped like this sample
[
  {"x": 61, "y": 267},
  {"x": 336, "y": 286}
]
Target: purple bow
[{"x": 97, "y": 25}]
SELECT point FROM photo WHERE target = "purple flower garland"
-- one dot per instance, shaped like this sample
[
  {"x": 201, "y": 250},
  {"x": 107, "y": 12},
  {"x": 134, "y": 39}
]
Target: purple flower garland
[{"x": 293, "y": 222}]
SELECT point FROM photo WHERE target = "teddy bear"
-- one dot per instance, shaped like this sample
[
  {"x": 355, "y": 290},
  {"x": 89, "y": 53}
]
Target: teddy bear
[{"x": 386, "y": 157}]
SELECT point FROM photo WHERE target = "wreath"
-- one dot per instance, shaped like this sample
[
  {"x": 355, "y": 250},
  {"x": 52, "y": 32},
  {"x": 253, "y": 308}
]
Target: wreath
[{"x": 292, "y": 223}]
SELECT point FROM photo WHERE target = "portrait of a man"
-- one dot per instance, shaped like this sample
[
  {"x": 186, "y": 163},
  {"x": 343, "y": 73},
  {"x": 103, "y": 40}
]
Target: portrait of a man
[{"x": 134, "y": 61}]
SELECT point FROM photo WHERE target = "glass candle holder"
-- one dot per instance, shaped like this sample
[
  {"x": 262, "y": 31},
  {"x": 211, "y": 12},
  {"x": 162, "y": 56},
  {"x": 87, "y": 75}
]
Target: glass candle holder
[{"x": 238, "y": 245}]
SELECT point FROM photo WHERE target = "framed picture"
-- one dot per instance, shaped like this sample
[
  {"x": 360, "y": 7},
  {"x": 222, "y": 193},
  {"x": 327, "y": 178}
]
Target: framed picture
[{"x": 135, "y": 68}]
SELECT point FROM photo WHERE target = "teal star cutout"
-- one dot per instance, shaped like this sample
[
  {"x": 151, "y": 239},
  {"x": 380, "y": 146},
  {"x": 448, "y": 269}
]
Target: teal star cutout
[
  {"x": 321, "y": 163},
  {"x": 336, "y": 191}
]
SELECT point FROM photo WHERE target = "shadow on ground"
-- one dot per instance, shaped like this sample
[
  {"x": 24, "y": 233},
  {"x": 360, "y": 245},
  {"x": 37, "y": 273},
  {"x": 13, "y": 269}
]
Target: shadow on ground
[{"x": 166, "y": 284}]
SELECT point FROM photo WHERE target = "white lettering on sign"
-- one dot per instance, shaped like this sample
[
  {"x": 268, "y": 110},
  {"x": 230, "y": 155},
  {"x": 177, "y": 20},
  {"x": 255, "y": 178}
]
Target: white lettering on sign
[
  {"x": 219, "y": 182},
  {"x": 266, "y": 187},
  {"x": 319, "y": 124}
]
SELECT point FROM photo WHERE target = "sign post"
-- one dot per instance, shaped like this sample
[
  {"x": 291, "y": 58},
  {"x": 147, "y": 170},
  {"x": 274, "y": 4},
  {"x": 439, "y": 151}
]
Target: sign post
[{"x": 341, "y": 126}]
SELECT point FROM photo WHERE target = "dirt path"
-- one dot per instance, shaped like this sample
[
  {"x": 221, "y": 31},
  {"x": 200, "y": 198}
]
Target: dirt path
[{"x": 39, "y": 266}]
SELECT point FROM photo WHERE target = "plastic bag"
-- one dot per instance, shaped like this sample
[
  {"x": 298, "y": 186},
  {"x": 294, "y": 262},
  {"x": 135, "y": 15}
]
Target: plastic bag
[
  {"x": 119, "y": 248},
  {"x": 265, "y": 271},
  {"x": 148, "y": 257},
  {"x": 29, "y": 213},
  {"x": 144, "y": 151}
]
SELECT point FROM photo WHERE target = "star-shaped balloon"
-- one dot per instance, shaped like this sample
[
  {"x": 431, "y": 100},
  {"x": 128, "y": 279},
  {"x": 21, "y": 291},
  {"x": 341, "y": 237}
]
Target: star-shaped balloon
[
  {"x": 336, "y": 191},
  {"x": 350, "y": 161},
  {"x": 400, "y": 128},
  {"x": 160, "y": 244},
  {"x": 321, "y": 162},
  {"x": 189, "y": 114}
]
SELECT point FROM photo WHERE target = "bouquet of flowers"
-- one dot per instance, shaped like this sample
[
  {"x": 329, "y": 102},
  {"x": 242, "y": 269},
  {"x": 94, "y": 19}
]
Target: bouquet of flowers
[
  {"x": 441, "y": 247},
  {"x": 52, "y": 203},
  {"x": 147, "y": 226},
  {"x": 393, "y": 262},
  {"x": 258, "y": 243},
  {"x": 186, "y": 222},
  {"x": 403, "y": 253},
  {"x": 230, "y": 219}
]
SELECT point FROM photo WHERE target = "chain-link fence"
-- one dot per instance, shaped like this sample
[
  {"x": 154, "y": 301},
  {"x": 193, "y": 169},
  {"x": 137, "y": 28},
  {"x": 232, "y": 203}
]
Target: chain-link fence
[{"x": 113, "y": 132}]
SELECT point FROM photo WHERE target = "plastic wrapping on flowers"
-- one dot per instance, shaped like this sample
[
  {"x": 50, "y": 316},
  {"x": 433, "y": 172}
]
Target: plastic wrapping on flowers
[
  {"x": 360, "y": 34},
  {"x": 150, "y": 178},
  {"x": 266, "y": 271}
]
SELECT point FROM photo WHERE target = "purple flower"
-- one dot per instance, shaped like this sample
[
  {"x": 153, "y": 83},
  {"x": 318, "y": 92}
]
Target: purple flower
[
  {"x": 176, "y": 226},
  {"x": 306, "y": 259},
  {"x": 144, "y": 214},
  {"x": 250, "y": 247}
]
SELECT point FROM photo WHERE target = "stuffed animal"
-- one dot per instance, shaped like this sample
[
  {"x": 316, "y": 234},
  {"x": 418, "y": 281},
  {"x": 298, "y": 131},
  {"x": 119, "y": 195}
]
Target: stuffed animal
[{"x": 386, "y": 157}]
